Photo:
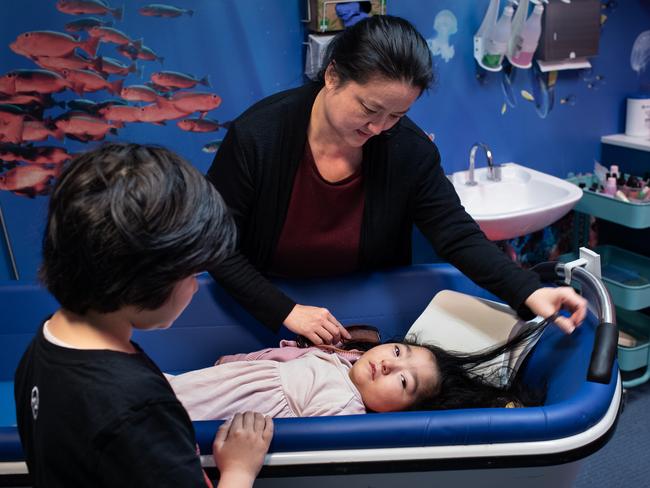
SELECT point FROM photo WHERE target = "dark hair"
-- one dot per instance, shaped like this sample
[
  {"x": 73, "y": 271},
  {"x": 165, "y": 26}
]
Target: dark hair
[
  {"x": 126, "y": 222},
  {"x": 383, "y": 46},
  {"x": 464, "y": 382}
]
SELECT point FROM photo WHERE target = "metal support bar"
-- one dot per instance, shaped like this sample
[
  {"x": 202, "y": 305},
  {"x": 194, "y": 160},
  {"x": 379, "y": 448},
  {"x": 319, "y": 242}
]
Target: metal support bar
[{"x": 10, "y": 251}]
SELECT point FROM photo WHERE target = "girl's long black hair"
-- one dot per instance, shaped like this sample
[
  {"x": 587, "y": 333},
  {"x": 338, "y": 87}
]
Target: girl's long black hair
[{"x": 468, "y": 380}]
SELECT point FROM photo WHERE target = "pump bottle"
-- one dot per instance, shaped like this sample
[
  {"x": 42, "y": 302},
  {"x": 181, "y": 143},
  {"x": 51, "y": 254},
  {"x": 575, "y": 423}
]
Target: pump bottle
[
  {"x": 497, "y": 42},
  {"x": 526, "y": 44}
]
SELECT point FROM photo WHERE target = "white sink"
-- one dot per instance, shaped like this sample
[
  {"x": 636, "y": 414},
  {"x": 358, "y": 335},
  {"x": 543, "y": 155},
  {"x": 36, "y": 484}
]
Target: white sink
[{"x": 523, "y": 201}]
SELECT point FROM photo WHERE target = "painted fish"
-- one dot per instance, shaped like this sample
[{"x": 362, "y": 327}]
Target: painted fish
[
  {"x": 29, "y": 180},
  {"x": 147, "y": 54},
  {"x": 32, "y": 80},
  {"x": 112, "y": 66},
  {"x": 128, "y": 51},
  {"x": 110, "y": 34},
  {"x": 195, "y": 101},
  {"x": 49, "y": 155},
  {"x": 96, "y": 7},
  {"x": 12, "y": 130},
  {"x": 12, "y": 119},
  {"x": 84, "y": 81},
  {"x": 85, "y": 24},
  {"x": 72, "y": 61},
  {"x": 38, "y": 130},
  {"x": 212, "y": 147},
  {"x": 162, "y": 10},
  {"x": 121, "y": 113},
  {"x": 76, "y": 113},
  {"x": 159, "y": 114},
  {"x": 84, "y": 128},
  {"x": 82, "y": 104},
  {"x": 50, "y": 43},
  {"x": 568, "y": 100},
  {"x": 140, "y": 93},
  {"x": 45, "y": 101},
  {"x": 175, "y": 79},
  {"x": 163, "y": 90},
  {"x": 33, "y": 154},
  {"x": 198, "y": 125},
  {"x": 527, "y": 96},
  {"x": 109, "y": 102}
]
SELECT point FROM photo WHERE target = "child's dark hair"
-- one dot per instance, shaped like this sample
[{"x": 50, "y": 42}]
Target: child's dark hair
[
  {"x": 126, "y": 222},
  {"x": 464, "y": 382},
  {"x": 380, "y": 46}
]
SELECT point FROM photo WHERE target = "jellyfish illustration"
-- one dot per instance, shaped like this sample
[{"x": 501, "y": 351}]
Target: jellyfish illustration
[
  {"x": 640, "y": 52},
  {"x": 445, "y": 24}
]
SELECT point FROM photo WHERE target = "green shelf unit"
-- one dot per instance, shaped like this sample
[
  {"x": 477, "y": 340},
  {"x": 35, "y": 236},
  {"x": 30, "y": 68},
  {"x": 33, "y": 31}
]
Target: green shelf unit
[
  {"x": 635, "y": 358},
  {"x": 625, "y": 274},
  {"x": 634, "y": 215}
]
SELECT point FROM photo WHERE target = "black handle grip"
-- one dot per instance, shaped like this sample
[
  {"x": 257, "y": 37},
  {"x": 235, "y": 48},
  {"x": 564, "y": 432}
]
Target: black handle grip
[{"x": 603, "y": 353}]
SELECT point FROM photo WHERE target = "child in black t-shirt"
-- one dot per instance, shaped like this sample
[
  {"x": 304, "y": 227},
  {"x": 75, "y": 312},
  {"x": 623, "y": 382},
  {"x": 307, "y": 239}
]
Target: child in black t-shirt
[{"x": 128, "y": 227}]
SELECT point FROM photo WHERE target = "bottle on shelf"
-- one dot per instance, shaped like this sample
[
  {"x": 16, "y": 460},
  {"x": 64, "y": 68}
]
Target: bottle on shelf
[
  {"x": 610, "y": 186},
  {"x": 497, "y": 40},
  {"x": 525, "y": 44}
]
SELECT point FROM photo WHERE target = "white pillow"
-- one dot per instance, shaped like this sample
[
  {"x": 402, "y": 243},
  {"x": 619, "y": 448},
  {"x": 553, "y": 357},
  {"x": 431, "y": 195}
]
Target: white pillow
[{"x": 464, "y": 323}]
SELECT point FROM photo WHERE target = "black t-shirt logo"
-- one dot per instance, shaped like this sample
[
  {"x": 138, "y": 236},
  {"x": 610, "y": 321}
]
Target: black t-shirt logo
[{"x": 34, "y": 401}]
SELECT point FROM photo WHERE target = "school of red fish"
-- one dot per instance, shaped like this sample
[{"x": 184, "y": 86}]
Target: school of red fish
[{"x": 72, "y": 61}]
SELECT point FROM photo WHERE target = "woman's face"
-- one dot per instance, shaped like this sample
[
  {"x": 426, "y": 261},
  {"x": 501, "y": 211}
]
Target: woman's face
[
  {"x": 357, "y": 112},
  {"x": 392, "y": 377}
]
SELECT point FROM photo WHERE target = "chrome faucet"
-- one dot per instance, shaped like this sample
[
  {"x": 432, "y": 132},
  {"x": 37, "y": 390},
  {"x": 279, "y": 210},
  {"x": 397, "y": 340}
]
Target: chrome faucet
[{"x": 494, "y": 173}]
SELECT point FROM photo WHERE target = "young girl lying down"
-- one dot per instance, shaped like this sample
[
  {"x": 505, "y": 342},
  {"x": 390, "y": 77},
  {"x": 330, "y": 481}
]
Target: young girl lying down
[{"x": 290, "y": 381}]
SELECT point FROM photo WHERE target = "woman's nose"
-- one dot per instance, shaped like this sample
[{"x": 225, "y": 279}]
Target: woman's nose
[{"x": 376, "y": 127}]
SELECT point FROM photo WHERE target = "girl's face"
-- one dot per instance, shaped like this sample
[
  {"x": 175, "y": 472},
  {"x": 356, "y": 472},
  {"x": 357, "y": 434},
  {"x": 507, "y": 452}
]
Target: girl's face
[
  {"x": 357, "y": 112},
  {"x": 392, "y": 377},
  {"x": 168, "y": 312}
]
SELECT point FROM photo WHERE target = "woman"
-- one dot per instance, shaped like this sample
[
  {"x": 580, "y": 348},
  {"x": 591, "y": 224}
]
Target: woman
[{"x": 329, "y": 178}]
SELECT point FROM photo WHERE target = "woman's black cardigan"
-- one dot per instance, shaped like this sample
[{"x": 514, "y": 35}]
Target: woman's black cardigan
[{"x": 404, "y": 184}]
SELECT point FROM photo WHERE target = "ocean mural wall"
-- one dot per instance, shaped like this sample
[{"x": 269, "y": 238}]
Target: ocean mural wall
[{"x": 76, "y": 72}]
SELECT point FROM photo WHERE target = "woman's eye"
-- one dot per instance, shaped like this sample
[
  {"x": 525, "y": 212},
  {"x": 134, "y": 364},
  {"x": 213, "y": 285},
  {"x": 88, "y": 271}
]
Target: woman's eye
[
  {"x": 403, "y": 380},
  {"x": 397, "y": 351},
  {"x": 368, "y": 110}
]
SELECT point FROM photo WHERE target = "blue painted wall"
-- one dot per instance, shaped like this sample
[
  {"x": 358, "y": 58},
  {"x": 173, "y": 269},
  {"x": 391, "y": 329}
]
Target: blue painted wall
[{"x": 252, "y": 48}]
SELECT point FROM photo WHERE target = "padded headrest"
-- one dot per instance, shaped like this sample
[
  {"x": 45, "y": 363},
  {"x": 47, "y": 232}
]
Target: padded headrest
[{"x": 463, "y": 323}]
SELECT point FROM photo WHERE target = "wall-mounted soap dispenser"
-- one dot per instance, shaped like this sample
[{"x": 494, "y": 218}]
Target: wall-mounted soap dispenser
[
  {"x": 570, "y": 30},
  {"x": 491, "y": 40},
  {"x": 525, "y": 36}
]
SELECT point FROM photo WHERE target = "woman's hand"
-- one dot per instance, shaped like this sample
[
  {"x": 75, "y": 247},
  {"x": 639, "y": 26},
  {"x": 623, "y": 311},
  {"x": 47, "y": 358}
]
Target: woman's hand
[
  {"x": 547, "y": 301},
  {"x": 239, "y": 448},
  {"x": 316, "y": 324}
]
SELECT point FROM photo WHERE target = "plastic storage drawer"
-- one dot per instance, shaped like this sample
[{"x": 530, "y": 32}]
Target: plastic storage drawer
[
  {"x": 634, "y": 215},
  {"x": 636, "y": 358},
  {"x": 626, "y": 275}
]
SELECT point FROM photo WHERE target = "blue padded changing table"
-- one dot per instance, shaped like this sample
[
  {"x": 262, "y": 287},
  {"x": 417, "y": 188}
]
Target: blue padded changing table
[{"x": 541, "y": 446}]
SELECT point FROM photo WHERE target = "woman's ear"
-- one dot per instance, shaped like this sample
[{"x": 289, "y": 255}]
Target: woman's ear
[{"x": 331, "y": 76}]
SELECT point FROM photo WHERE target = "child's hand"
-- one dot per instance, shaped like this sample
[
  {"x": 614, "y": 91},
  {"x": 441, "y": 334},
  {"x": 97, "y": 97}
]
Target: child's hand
[{"x": 239, "y": 448}]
